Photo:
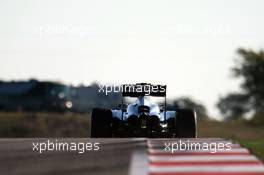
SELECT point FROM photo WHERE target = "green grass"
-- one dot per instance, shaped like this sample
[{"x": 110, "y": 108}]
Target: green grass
[
  {"x": 42, "y": 124},
  {"x": 255, "y": 145},
  {"x": 230, "y": 130}
]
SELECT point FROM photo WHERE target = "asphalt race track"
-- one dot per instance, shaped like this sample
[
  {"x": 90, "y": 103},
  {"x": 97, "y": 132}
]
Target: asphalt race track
[
  {"x": 17, "y": 157},
  {"x": 126, "y": 156}
]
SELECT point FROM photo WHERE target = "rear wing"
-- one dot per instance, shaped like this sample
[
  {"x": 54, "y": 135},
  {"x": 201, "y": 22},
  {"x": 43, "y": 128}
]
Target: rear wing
[{"x": 143, "y": 89}]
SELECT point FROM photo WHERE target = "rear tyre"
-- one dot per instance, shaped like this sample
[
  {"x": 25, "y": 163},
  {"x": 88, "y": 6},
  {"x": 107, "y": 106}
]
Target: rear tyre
[
  {"x": 185, "y": 123},
  {"x": 101, "y": 123}
]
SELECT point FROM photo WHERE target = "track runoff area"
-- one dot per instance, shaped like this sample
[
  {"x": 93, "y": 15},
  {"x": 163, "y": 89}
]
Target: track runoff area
[{"x": 195, "y": 157}]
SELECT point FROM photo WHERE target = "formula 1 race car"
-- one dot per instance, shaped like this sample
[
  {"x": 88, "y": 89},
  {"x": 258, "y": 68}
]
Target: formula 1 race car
[{"x": 143, "y": 118}]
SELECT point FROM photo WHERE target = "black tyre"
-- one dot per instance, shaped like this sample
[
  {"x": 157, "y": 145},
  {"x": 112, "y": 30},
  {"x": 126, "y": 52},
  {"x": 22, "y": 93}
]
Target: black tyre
[
  {"x": 185, "y": 123},
  {"x": 101, "y": 123}
]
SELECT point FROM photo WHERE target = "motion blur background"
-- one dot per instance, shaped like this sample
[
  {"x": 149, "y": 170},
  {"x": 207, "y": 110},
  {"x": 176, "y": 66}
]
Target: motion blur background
[{"x": 54, "y": 53}]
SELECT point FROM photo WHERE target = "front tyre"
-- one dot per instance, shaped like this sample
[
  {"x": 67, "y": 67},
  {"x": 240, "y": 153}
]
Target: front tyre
[
  {"x": 186, "y": 123},
  {"x": 101, "y": 123}
]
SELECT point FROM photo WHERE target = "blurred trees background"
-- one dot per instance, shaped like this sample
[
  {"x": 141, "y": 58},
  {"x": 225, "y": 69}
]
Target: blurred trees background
[
  {"x": 75, "y": 122},
  {"x": 249, "y": 67},
  {"x": 188, "y": 102}
]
